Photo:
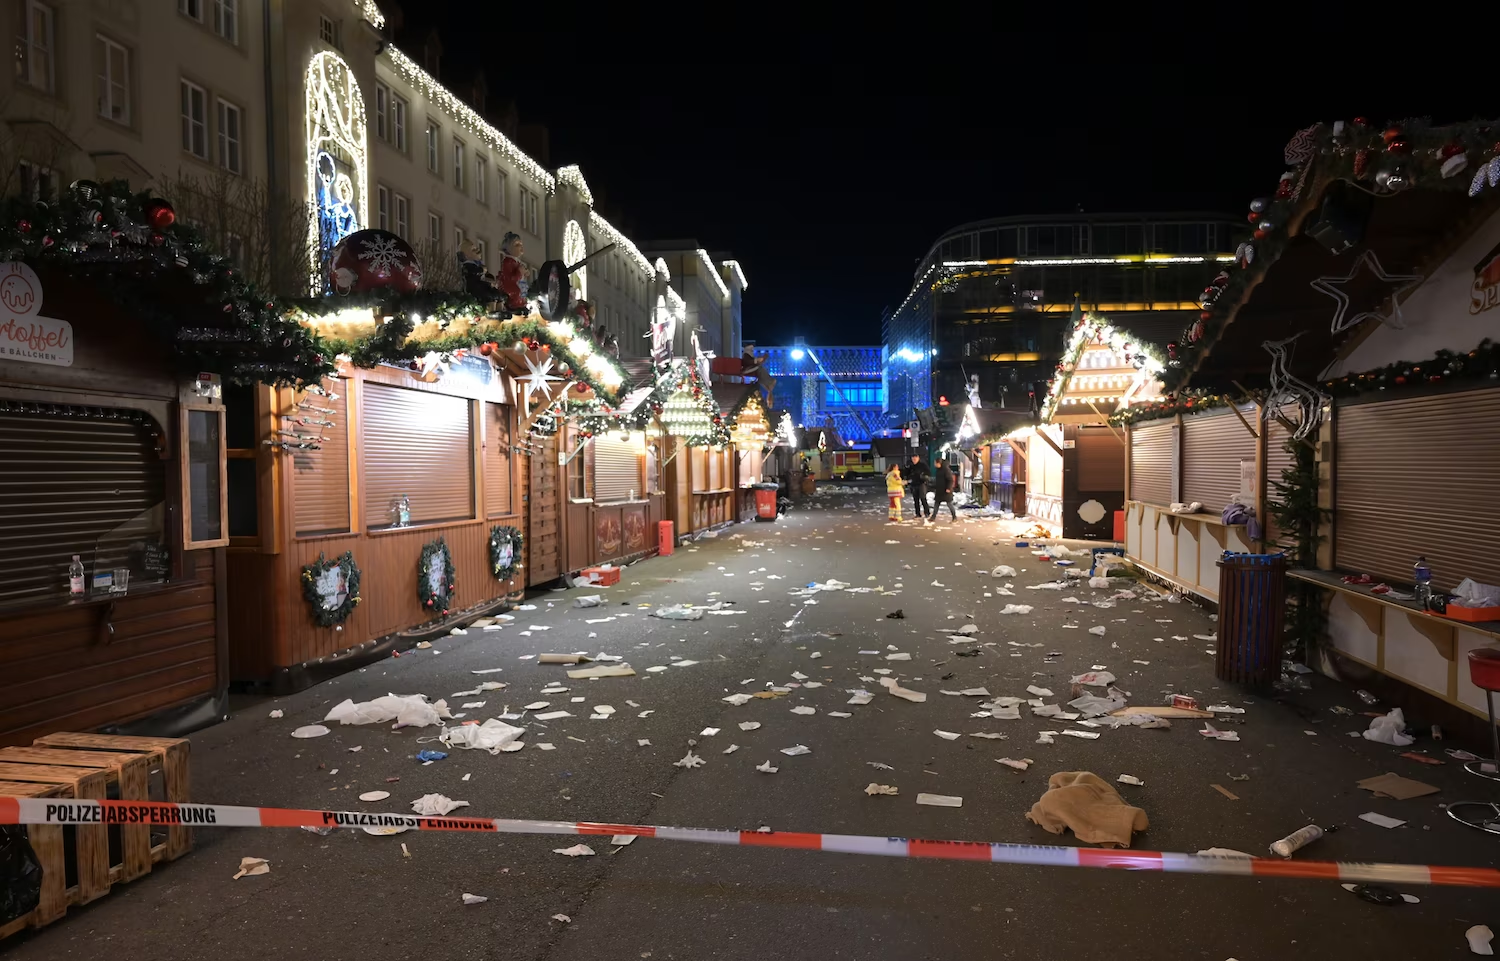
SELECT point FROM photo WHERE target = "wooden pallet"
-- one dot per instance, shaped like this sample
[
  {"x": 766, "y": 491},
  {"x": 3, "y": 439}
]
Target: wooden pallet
[
  {"x": 91, "y": 848},
  {"x": 168, "y": 754},
  {"x": 47, "y": 842},
  {"x": 127, "y": 773}
]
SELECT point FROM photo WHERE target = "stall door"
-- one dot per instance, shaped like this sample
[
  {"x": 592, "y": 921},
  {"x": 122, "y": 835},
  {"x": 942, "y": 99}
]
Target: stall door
[{"x": 543, "y": 512}]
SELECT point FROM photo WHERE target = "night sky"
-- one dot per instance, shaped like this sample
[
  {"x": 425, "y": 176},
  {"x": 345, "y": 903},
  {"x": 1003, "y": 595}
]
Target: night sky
[{"x": 829, "y": 182}]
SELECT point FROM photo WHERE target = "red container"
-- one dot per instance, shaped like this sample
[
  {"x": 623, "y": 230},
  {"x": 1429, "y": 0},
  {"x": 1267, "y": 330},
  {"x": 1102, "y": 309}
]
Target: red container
[
  {"x": 1185, "y": 701},
  {"x": 664, "y": 538},
  {"x": 765, "y": 504},
  {"x": 1120, "y": 527},
  {"x": 1474, "y": 615},
  {"x": 603, "y": 576}
]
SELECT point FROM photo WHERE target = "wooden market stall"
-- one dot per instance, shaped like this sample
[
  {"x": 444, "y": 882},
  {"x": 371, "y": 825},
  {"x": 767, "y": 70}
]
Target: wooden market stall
[
  {"x": 743, "y": 410},
  {"x": 1385, "y": 271},
  {"x": 614, "y": 484}
]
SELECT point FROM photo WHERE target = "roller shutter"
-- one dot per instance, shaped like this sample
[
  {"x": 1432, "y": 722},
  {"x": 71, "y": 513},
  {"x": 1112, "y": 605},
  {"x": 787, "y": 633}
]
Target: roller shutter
[
  {"x": 1213, "y": 444},
  {"x": 320, "y": 478},
  {"x": 617, "y": 469},
  {"x": 416, "y": 444},
  {"x": 1100, "y": 459},
  {"x": 1417, "y": 476},
  {"x": 78, "y": 483},
  {"x": 1153, "y": 461},
  {"x": 498, "y": 459}
]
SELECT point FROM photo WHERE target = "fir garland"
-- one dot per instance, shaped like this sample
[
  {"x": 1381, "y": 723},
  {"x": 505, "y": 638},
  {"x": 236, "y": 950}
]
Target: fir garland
[
  {"x": 311, "y": 573},
  {"x": 435, "y": 553},
  {"x": 1299, "y": 519},
  {"x": 1446, "y": 366},
  {"x": 1383, "y": 159},
  {"x": 1183, "y": 402},
  {"x": 505, "y": 552}
]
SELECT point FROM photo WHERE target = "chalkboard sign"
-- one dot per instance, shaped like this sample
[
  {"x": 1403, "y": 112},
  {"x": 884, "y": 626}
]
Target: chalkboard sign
[{"x": 155, "y": 561}]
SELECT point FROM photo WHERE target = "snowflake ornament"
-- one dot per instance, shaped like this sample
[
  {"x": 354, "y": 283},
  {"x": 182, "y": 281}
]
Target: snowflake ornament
[
  {"x": 537, "y": 380},
  {"x": 383, "y": 253}
]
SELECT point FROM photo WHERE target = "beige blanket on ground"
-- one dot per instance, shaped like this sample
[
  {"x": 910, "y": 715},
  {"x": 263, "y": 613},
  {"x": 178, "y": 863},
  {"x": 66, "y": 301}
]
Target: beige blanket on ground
[{"x": 1090, "y": 806}]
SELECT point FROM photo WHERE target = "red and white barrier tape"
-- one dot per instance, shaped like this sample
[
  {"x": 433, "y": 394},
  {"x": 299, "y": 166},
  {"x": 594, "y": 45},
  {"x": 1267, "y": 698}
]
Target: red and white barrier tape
[{"x": 81, "y": 812}]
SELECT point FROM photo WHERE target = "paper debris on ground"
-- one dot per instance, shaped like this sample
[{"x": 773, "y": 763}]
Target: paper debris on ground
[
  {"x": 940, "y": 800},
  {"x": 1097, "y": 631},
  {"x": 474, "y": 898},
  {"x": 1130, "y": 779},
  {"x": 1209, "y": 730},
  {"x": 1016, "y": 609},
  {"x": 1224, "y": 709},
  {"x": 410, "y": 710},
  {"x": 493, "y": 736},
  {"x": 588, "y": 600},
  {"x": 622, "y": 839},
  {"x": 278, "y": 714},
  {"x": 1084, "y": 735},
  {"x": 534, "y": 706},
  {"x": 988, "y": 735},
  {"x": 1004, "y": 570},
  {"x": 1035, "y": 691},
  {"x": 1089, "y": 806},
  {"x": 1094, "y": 679},
  {"x": 766, "y": 768},
  {"x": 603, "y": 670},
  {"x": 545, "y": 746},
  {"x": 1479, "y": 937},
  {"x": 1163, "y": 711},
  {"x": 873, "y": 789},
  {"x": 576, "y": 851},
  {"x": 737, "y": 699},
  {"x": 689, "y": 760},
  {"x": 563, "y": 918},
  {"x": 250, "y": 867},
  {"x": 678, "y": 612},
  {"x": 1396, "y": 787},
  {"x": 903, "y": 656},
  {"x": 375, "y": 795},
  {"x": 802, "y": 709},
  {"x": 879, "y": 766},
  {"x": 1388, "y": 729},
  {"x": 1380, "y": 820},
  {"x": 975, "y": 692},
  {"x": 563, "y": 659},
  {"x": 1092, "y": 705},
  {"x": 796, "y": 750},
  {"x": 749, "y": 725},
  {"x": 916, "y": 697},
  {"x": 436, "y": 805},
  {"x": 310, "y": 730},
  {"x": 553, "y": 715},
  {"x": 947, "y": 735},
  {"x": 1020, "y": 764}
]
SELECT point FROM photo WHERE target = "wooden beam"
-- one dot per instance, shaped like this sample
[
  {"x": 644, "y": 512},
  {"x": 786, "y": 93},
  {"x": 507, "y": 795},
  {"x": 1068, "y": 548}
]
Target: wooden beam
[
  {"x": 1236, "y": 409},
  {"x": 1441, "y": 635},
  {"x": 1017, "y": 448},
  {"x": 1118, "y": 436},
  {"x": 1050, "y": 442}
]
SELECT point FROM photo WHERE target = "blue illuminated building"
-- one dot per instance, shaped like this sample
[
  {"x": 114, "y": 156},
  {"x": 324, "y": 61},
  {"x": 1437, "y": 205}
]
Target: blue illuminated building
[{"x": 839, "y": 387}]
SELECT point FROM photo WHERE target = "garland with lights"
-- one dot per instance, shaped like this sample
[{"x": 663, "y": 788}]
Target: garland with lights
[
  {"x": 312, "y": 573},
  {"x": 161, "y": 271},
  {"x": 1088, "y": 328},
  {"x": 1382, "y": 160},
  {"x": 436, "y": 564},
  {"x": 679, "y": 390},
  {"x": 1446, "y": 367},
  {"x": 1183, "y": 402},
  {"x": 505, "y": 552}
]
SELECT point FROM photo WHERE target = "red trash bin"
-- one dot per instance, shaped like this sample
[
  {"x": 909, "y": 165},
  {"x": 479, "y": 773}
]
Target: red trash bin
[
  {"x": 664, "y": 539},
  {"x": 765, "y": 502}
]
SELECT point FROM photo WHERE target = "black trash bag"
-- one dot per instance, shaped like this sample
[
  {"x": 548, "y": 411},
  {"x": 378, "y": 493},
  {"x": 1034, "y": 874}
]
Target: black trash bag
[{"x": 20, "y": 874}]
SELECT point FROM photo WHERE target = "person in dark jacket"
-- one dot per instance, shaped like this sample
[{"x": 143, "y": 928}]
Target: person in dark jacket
[
  {"x": 942, "y": 491},
  {"x": 917, "y": 479}
]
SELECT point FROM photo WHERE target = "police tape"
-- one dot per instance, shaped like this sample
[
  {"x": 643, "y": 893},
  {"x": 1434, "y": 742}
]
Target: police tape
[{"x": 87, "y": 812}]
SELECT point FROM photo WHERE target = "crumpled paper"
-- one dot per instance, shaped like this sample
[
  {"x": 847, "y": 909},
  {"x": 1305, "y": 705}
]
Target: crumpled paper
[
  {"x": 1471, "y": 593},
  {"x": 1387, "y": 729},
  {"x": 407, "y": 710},
  {"x": 1092, "y": 705},
  {"x": 249, "y": 867},
  {"x": 678, "y": 612},
  {"x": 436, "y": 805},
  {"x": 493, "y": 736}
]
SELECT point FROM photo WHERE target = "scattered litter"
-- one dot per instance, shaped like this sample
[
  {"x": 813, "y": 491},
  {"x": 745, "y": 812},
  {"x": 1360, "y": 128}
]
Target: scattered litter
[
  {"x": 801, "y": 709},
  {"x": 1085, "y": 735},
  {"x": 1095, "y": 679},
  {"x": 310, "y": 730},
  {"x": 473, "y": 705},
  {"x": 796, "y": 750},
  {"x": 576, "y": 851},
  {"x": 730, "y": 749},
  {"x": 947, "y": 735},
  {"x": 749, "y": 725},
  {"x": 678, "y": 612},
  {"x": 436, "y": 805},
  {"x": 877, "y": 765},
  {"x": 493, "y": 735},
  {"x": 623, "y": 840},
  {"x": 1396, "y": 787},
  {"x": 603, "y": 670},
  {"x": 1016, "y": 609},
  {"x": 1210, "y": 731},
  {"x": 1098, "y": 631},
  {"x": 1130, "y": 779},
  {"x": 427, "y": 757},
  {"x": 1424, "y": 759},
  {"x": 474, "y": 898},
  {"x": 375, "y": 795},
  {"x": 1479, "y": 938},
  {"x": 896, "y": 689},
  {"x": 766, "y": 768},
  {"x": 1376, "y": 894},
  {"x": 737, "y": 699},
  {"x": 553, "y": 715},
  {"x": 873, "y": 789},
  {"x": 411, "y": 710},
  {"x": 1387, "y": 729},
  {"x": 1020, "y": 764},
  {"x": 588, "y": 600},
  {"x": 689, "y": 760},
  {"x": 250, "y": 867},
  {"x": 278, "y": 714},
  {"x": 563, "y": 918},
  {"x": 1225, "y": 791},
  {"x": 1004, "y": 570},
  {"x": 1380, "y": 820},
  {"x": 1090, "y": 807},
  {"x": 534, "y": 706},
  {"x": 940, "y": 800},
  {"x": 545, "y": 746},
  {"x": 1038, "y": 691},
  {"x": 1224, "y": 709},
  {"x": 988, "y": 735}
]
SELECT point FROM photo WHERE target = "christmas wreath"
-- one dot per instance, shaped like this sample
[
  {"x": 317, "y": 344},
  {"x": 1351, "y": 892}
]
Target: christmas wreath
[
  {"x": 332, "y": 588},
  {"x": 435, "y": 577},
  {"x": 505, "y": 552}
]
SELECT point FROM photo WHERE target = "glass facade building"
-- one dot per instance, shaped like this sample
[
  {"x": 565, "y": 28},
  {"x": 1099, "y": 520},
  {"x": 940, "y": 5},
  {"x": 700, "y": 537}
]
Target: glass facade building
[
  {"x": 993, "y": 299},
  {"x": 838, "y": 387}
]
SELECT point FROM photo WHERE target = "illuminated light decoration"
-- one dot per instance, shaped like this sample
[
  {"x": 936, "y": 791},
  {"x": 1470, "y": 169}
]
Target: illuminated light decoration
[
  {"x": 425, "y": 84},
  {"x": 622, "y": 242},
  {"x": 371, "y": 13},
  {"x": 968, "y": 428},
  {"x": 661, "y": 268},
  {"x": 798, "y": 353},
  {"x": 575, "y": 249},
  {"x": 581, "y": 346},
  {"x": 539, "y": 379},
  {"x": 713, "y": 272},
  {"x": 683, "y": 416},
  {"x": 335, "y": 131},
  {"x": 908, "y": 355},
  {"x": 751, "y": 432},
  {"x": 786, "y": 431},
  {"x": 1094, "y": 330},
  {"x": 572, "y": 176},
  {"x": 739, "y": 273},
  {"x": 1095, "y": 261}
]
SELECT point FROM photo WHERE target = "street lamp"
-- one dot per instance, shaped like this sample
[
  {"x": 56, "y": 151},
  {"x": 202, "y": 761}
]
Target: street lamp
[{"x": 797, "y": 353}]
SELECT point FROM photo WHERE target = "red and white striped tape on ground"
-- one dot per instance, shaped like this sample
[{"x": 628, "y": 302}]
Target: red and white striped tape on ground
[{"x": 83, "y": 812}]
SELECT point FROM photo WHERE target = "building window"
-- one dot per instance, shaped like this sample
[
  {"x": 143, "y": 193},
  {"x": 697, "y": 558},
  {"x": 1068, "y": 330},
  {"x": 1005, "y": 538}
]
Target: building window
[
  {"x": 34, "y": 45},
  {"x": 458, "y": 164},
  {"x": 226, "y": 19},
  {"x": 398, "y": 122},
  {"x": 502, "y": 190},
  {"x": 432, "y": 146},
  {"x": 113, "y": 87},
  {"x": 382, "y": 107},
  {"x": 481, "y": 178},
  {"x": 482, "y": 246},
  {"x": 231, "y": 126},
  {"x": 403, "y": 217},
  {"x": 329, "y": 32},
  {"x": 458, "y": 238},
  {"x": 194, "y": 120},
  {"x": 435, "y": 228},
  {"x": 382, "y": 208},
  {"x": 191, "y": 8},
  {"x": 37, "y": 182},
  {"x": 527, "y": 204},
  {"x": 856, "y": 394}
]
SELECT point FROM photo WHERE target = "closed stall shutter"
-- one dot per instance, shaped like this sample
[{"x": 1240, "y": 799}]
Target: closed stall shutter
[
  {"x": 617, "y": 469},
  {"x": 320, "y": 478},
  {"x": 1417, "y": 477},
  {"x": 1278, "y": 459},
  {"x": 700, "y": 467},
  {"x": 1213, "y": 444},
  {"x": 1101, "y": 460},
  {"x": 715, "y": 469},
  {"x": 74, "y": 484},
  {"x": 416, "y": 444},
  {"x": 750, "y": 467},
  {"x": 497, "y": 461},
  {"x": 1152, "y": 461}
]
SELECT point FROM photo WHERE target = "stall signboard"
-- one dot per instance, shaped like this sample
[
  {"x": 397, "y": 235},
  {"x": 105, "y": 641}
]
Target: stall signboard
[{"x": 25, "y": 335}]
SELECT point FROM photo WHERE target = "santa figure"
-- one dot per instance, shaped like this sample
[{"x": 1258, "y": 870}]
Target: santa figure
[
  {"x": 478, "y": 282},
  {"x": 513, "y": 272}
]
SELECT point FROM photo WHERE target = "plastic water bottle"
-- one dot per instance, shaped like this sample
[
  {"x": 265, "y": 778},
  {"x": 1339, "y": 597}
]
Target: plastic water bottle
[
  {"x": 1422, "y": 576},
  {"x": 75, "y": 577}
]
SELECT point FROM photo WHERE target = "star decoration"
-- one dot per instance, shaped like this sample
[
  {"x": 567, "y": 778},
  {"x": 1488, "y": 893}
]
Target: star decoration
[
  {"x": 537, "y": 380},
  {"x": 1395, "y": 286}
]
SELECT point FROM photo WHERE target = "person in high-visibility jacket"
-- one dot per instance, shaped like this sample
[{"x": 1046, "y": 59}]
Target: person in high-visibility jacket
[{"x": 895, "y": 489}]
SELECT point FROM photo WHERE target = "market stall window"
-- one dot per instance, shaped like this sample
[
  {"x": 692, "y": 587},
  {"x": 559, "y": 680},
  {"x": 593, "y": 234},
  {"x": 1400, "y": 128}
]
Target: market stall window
[
  {"x": 580, "y": 477},
  {"x": 204, "y": 494},
  {"x": 240, "y": 452},
  {"x": 416, "y": 457},
  {"x": 55, "y": 507},
  {"x": 320, "y": 474},
  {"x": 617, "y": 467}
]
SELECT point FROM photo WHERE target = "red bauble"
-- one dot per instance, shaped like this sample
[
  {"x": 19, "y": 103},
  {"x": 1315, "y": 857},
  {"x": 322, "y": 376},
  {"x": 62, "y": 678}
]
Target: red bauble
[
  {"x": 373, "y": 260},
  {"x": 47, "y": 241},
  {"x": 1253, "y": 216},
  {"x": 1361, "y": 122},
  {"x": 1451, "y": 149},
  {"x": 1390, "y": 134},
  {"x": 1361, "y": 163},
  {"x": 1261, "y": 233},
  {"x": 24, "y": 226},
  {"x": 1399, "y": 379},
  {"x": 159, "y": 214},
  {"x": 1398, "y": 145},
  {"x": 486, "y": 349}
]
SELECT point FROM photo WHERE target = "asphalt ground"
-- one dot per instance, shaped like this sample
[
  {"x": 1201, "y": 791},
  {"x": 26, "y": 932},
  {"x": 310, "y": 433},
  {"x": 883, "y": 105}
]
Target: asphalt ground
[{"x": 352, "y": 896}]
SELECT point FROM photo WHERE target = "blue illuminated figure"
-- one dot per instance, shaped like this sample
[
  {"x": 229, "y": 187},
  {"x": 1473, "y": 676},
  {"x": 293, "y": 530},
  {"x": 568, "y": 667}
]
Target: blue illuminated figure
[{"x": 336, "y": 217}]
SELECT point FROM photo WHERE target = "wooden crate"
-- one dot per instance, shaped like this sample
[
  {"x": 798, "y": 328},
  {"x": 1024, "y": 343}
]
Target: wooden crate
[
  {"x": 169, "y": 755},
  {"x": 128, "y": 773},
  {"x": 91, "y": 848},
  {"x": 47, "y": 842}
]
